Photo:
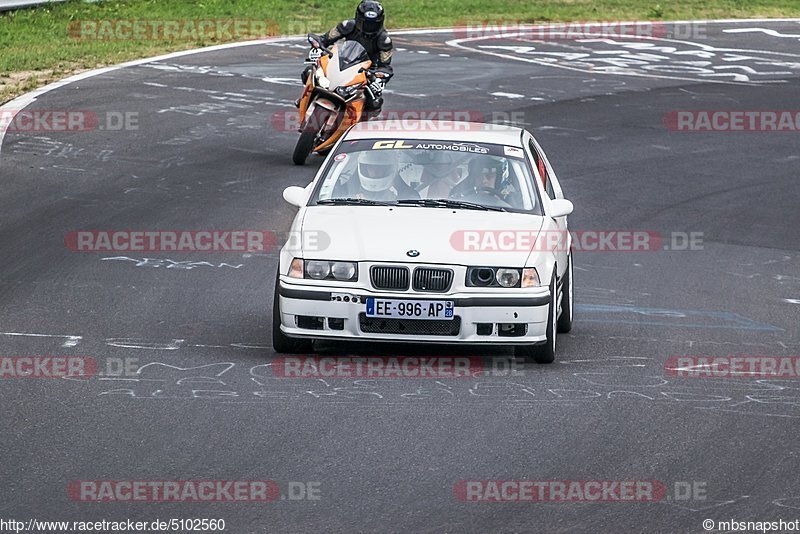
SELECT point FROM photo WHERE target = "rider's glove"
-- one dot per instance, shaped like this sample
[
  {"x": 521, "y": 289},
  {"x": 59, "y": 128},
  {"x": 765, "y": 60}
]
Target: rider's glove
[
  {"x": 376, "y": 87},
  {"x": 314, "y": 54}
]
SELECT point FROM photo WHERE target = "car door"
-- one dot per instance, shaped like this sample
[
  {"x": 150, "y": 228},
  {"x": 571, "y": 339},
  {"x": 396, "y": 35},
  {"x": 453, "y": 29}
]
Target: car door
[{"x": 550, "y": 189}]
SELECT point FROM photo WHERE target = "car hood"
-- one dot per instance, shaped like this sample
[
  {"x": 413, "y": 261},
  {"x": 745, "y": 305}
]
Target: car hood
[{"x": 378, "y": 233}]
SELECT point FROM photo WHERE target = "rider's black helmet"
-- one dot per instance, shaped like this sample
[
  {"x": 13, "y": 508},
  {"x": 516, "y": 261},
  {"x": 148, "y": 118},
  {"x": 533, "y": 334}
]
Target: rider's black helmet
[{"x": 369, "y": 17}]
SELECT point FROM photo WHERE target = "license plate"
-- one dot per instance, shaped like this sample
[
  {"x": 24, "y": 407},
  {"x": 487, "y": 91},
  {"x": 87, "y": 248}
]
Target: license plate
[{"x": 410, "y": 309}]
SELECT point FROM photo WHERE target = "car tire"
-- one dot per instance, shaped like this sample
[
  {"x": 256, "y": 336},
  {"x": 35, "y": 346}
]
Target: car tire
[
  {"x": 281, "y": 343},
  {"x": 543, "y": 352},
  {"x": 564, "y": 324}
]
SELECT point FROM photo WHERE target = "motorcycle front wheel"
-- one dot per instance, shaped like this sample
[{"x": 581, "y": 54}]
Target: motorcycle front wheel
[{"x": 310, "y": 135}]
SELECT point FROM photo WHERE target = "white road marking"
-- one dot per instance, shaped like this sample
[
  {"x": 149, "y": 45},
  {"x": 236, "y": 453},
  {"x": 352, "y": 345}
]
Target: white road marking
[
  {"x": 766, "y": 31},
  {"x": 295, "y": 82},
  {"x": 71, "y": 341},
  {"x": 508, "y": 95}
]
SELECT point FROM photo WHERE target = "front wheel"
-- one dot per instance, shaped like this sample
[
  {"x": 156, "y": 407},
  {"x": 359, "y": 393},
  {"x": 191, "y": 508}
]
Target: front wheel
[
  {"x": 567, "y": 300},
  {"x": 545, "y": 352},
  {"x": 309, "y": 136}
]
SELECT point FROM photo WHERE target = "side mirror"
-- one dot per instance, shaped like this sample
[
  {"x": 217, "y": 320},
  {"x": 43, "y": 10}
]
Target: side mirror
[
  {"x": 560, "y": 207},
  {"x": 295, "y": 195}
]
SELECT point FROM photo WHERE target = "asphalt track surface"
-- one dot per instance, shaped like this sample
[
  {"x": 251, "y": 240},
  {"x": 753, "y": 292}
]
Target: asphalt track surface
[{"x": 205, "y": 405}]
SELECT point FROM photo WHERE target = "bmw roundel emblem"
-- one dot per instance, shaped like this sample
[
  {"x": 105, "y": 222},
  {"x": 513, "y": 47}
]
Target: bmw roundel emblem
[{"x": 412, "y": 253}]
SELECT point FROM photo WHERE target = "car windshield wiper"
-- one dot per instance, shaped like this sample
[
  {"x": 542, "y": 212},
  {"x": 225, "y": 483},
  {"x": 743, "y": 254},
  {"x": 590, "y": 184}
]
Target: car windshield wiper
[
  {"x": 445, "y": 203},
  {"x": 356, "y": 201}
]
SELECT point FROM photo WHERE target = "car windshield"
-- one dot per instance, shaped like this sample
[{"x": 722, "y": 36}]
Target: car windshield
[{"x": 428, "y": 174}]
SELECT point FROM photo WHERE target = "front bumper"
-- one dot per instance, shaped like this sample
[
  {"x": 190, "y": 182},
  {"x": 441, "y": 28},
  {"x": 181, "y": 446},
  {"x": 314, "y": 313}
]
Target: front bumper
[{"x": 485, "y": 318}]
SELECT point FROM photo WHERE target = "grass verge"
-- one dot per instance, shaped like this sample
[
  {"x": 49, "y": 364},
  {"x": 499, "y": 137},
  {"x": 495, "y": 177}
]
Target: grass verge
[{"x": 43, "y": 44}]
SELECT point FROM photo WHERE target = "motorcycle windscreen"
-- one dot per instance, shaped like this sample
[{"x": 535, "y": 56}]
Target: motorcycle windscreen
[{"x": 350, "y": 53}]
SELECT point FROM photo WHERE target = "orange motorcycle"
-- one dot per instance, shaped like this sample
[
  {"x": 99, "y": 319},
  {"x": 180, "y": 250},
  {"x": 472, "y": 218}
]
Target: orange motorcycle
[{"x": 333, "y": 97}]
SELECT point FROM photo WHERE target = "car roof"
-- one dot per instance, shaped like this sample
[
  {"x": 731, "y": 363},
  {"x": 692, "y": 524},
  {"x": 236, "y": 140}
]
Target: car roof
[{"x": 471, "y": 132}]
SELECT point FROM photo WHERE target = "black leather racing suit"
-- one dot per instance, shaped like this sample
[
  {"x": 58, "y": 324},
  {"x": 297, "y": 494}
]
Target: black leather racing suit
[{"x": 377, "y": 45}]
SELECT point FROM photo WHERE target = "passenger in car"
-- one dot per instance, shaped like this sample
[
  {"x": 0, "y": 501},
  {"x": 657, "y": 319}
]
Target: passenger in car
[{"x": 439, "y": 175}]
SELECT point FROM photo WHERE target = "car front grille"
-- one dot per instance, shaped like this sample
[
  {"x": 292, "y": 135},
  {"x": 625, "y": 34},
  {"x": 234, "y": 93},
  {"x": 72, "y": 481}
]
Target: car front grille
[
  {"x": 433, "y": 280},
  {"x": 391, "y": 277},
  {"x": 412, "y": 327}
]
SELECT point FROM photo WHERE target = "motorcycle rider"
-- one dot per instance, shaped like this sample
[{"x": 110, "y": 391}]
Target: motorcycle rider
[{"x": 367, "y": 29}]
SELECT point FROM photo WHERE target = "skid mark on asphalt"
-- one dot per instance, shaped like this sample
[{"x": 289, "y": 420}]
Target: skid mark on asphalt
[
  {"x": 708, "y": 504},
  {"x": 690, "y": 342},
  {"x": 498, "y": 379},
  {"x": 53, "y": 148},
  {"x": 669, "y": 317},
  {"x": 659, "y": 59},
  {"x": 157, "y": 263},
  {"x": 61, "y": 152},
  {"x": 232, "y": 383}
]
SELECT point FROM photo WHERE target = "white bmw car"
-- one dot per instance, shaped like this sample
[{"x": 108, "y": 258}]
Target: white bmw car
[{"x": 456, "y": 236}]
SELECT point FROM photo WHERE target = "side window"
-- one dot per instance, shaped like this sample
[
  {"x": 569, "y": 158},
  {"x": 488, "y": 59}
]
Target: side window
[{"x": 542, "y": 168}]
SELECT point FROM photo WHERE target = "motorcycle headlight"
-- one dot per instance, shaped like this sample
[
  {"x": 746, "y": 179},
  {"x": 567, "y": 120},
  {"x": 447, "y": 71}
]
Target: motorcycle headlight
[
  {"x": 318, "y": 270},
  {"x": 322, "y": 80},
  {"x": 507, "y": 277}
]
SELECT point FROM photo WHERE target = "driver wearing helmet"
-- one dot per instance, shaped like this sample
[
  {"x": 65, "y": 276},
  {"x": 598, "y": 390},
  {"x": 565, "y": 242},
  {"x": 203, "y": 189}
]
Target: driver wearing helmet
[
  {"x": 439, "y": 175},
  {"x": 367, "y": 29},
  {"x": 487, "y": 176},
  {"x": 379, "y": 179}
]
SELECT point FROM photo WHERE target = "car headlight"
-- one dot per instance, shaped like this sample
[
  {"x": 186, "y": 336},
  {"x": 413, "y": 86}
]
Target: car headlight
[
  {"x": 343, "y": 271},
  {"x": 493, "y": 277},
  {"x": 318, "y": 270},
  {"x": 507, "y": 277}
]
